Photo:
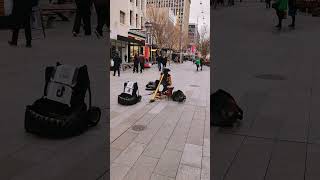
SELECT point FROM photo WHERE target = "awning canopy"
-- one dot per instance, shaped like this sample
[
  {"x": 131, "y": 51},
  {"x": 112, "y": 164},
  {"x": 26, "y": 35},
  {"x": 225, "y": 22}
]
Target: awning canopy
[{"x": 130, "y": 40}]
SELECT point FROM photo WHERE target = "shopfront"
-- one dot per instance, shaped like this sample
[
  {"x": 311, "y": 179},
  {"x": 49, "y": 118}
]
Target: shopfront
[
  {"x": 121, "y": 46},
  {"x": 137, "y": 43}
]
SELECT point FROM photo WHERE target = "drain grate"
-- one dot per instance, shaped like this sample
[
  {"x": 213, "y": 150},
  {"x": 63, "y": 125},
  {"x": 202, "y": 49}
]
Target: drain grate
[
  {"x": 270, "y": 77},
  {"x": 138, "y": 127},
  {"x": 194, "y": 85}
]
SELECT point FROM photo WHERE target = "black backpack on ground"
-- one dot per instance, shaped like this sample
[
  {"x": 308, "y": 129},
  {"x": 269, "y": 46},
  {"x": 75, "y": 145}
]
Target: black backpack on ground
[
  {"x": 62, "y": 110},
  {"x": 224, "y": 109},
  {"x": 130, "y": 94},
  {"x": 178, "y": 96}
]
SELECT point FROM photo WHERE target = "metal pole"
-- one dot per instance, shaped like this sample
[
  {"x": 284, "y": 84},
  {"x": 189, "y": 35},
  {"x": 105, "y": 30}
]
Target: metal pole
[{"x": 180, "y": 21}]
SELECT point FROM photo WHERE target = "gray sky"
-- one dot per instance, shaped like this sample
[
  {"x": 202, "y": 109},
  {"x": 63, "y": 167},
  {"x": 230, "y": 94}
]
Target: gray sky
[{"x": 195, "y": 11}]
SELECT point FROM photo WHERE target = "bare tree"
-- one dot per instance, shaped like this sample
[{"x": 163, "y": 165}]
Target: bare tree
[
  {"x": 203, "y": 44},
  {"x": 160, "y": 23}
]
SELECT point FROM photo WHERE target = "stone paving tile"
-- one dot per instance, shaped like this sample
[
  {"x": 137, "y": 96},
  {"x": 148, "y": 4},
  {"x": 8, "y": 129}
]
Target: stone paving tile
[
  {"x": 288, "y": 161},
  {"x": 205, "y": 168},
  {"x": 160, "y": 177},
  {"x": 118, "y": 171},
  {"x": 313, "y": 162},
  {"x": 195, "y": 135},
  {"x": 188, "y": 173},
  {"x": 206, "y": 147},
  {"x": 27, "y": 154},
  {"x": 124, "y": 140},
  {"x": 180, "y": 134},
  {"x": 11, "y": 167},
  {"x": 224, "y": 149},
  {"x": 169, "y": 163},
  {"x": 130, "y": 155},
  {"x": 252, "y": 160},
  {"x": 146, "y": 136},
  {"x": 156, "y": 147},
  {"x": 192, "y": 155},
  {"x": 146, "y": 119},
  {"x": 143, "y": 168},
  {"x": 114, "y": 153}
]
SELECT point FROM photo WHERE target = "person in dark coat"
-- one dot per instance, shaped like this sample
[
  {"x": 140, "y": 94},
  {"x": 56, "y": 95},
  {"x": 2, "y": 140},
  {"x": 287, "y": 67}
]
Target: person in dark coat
[
  {"x": 164, "y": 62},
  {"x": 83, "y": 13},
  {"x": 159, "y": 61},
  {"x": 136, "y": 63},
  {"x": 142, "y": 60},
  {"x": 292, "y": 4},
  {"x": 117, "y": 63},
  {"x": 20, "y": 18},
  {"x": 268, "y": 4},
  {"x": 102, "y": 15}
]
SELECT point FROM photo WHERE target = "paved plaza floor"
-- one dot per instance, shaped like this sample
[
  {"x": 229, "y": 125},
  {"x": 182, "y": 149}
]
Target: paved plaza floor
[
  {"x": 175, "y": 142},
  {"x": 24, "y": 156},
  {"x": 275, "y": 78}
]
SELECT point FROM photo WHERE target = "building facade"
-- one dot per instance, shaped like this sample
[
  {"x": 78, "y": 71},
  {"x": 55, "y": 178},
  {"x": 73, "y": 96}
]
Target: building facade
[
  {"x": 181, "y": 8},
  {"x": 126, "y": 25},
  {"x": 193, "y": 37}
]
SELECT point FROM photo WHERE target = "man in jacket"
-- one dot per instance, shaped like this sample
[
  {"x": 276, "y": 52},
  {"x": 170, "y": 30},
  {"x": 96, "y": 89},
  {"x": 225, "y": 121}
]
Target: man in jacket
[
  {"x": 20, "y": 18},
  {"x": 292, "y": 12},
  {"x": 142, "y": 61},
  {"x": 102, "y": 15},
  {"x": 135, "y": 63},
  {"x": 117, "y": 63},
  {"x": 83, "y": 13},
  {"x": 159, "y": 61}
]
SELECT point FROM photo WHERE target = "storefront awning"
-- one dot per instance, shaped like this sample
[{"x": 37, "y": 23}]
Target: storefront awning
[{"x": 130, "y": 40}]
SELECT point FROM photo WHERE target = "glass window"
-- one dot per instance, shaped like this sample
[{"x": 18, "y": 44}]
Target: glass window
[
  {"x": 131, "y": 14},
  {"x": 122, "y": 17}
]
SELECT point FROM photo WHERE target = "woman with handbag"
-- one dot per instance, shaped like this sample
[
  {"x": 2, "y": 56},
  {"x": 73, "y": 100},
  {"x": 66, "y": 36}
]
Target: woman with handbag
[{"x": 281, "y": 7}]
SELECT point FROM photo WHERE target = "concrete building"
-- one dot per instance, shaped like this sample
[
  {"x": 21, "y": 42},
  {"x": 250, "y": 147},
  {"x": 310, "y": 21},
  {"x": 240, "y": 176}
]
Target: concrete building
[
  {"x": 193, "y": 37},
  {"x": 126, "y": 25},
  {"x": 181, "y": 8}
]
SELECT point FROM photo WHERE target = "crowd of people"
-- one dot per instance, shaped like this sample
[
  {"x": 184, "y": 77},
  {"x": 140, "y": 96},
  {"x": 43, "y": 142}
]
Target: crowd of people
[{"x": 22, "y": 11}]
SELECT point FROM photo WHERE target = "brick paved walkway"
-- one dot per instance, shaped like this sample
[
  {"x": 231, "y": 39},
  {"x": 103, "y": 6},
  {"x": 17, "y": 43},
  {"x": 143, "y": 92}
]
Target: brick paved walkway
[
  {"x": 279, "y": 137},
  {"x": 175, "y": 143}
]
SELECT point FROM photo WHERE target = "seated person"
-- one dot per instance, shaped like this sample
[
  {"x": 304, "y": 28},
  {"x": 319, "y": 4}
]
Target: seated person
[{"x": 166, "y": 81}]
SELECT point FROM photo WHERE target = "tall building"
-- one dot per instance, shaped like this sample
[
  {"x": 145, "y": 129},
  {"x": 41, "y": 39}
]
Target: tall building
[
  {"x": 181, "y": 9},
  {"x": 193, "y": 33},
  {"x": 193, "y": 37},
  {"x": 126, "y": 25}
]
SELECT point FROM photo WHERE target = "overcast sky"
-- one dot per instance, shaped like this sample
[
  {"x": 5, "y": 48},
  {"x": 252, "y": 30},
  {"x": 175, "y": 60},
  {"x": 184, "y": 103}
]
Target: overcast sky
[{"x": 195, "y": 11}]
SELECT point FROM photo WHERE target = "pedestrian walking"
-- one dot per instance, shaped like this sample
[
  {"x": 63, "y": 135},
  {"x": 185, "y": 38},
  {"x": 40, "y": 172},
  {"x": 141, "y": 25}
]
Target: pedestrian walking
[
  {"x": 292, "y": 12},
  {"x": 83, "y": 14},
  {"x": 159, "y": 62},
  {"x": 117, "y": 63},
  {"x": 20, "y": 18},
  {"x": 142, "y": 60},
  {"x": 197, "y": 63},
  {"x": 135, "y": 64},
  {"x": 102, "y": 15},
  {"x": 201, "y": 63},
  {"x": 281, "y": 7},
  {"x": 268, "y": 4},
  {"x": 165, "y": 60}
]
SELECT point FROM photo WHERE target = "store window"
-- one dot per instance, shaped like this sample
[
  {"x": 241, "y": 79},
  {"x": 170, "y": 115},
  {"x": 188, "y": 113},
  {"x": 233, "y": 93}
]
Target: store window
[
  {"x": 122, "y": 17},
  {"x": 131, "y": 14}
]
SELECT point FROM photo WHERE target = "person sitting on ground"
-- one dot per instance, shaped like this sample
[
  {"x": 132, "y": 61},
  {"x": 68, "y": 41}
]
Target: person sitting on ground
[{"x": 166, "y": 80}]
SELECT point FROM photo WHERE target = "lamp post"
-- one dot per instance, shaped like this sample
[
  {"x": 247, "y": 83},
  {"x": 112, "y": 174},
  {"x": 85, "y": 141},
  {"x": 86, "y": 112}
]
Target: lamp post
[{"x": 148, "y": 27}]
